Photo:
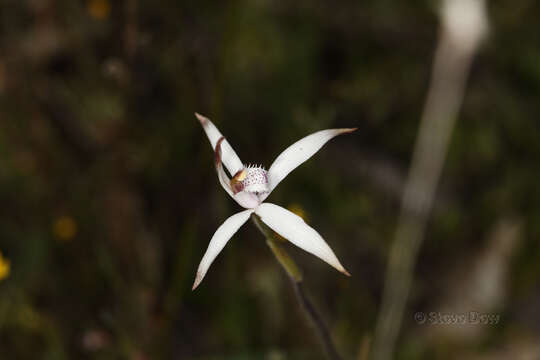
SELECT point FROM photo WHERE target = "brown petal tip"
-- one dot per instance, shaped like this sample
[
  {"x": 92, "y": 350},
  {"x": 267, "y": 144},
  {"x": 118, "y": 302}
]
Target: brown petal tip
[
  {"x": 201, "y": 118},
  {"x": 349, "y": 130},
  {"x": 345, "y": 272},
  {"x": 197, "y": 281}
]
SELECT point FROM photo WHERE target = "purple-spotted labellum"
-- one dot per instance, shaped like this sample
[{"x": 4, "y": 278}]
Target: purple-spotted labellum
[
  {"x": 252, "y": 179},
  {"x": 251, "y": 185}
]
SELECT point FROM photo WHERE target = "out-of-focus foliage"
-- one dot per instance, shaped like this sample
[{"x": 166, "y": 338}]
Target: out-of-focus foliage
[{"x": 109, "y": 196}]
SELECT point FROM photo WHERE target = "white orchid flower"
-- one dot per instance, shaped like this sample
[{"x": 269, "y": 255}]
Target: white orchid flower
[{"x": 251, "y": 185}]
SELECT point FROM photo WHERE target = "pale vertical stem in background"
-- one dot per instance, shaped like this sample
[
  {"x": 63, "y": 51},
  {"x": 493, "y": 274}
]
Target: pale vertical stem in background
[{"x": 463, "y": 26}]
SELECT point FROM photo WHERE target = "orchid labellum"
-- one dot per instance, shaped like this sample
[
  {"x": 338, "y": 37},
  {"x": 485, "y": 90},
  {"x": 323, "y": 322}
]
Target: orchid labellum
[{"x": 251, "y": 185}]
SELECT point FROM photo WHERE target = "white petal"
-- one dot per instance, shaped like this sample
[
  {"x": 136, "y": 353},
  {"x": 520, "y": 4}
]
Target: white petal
[
  {"x": 218, "y": 241},
  {"x": 247, "y": 200},
  {"x": 230, "y": 159},
  {"x": 298, "y": 153},
  {"x": 222, "y": 176},
  {"x": 294, "y": 229}
]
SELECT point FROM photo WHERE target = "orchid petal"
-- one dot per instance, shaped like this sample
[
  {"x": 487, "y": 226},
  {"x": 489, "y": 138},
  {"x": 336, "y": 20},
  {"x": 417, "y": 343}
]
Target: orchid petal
[
  {"x": 231, "y": 161},
  {"x": 293, "y": 228},
  {"x": 222, "y": 235},
  {"x": 247, "y": 200},
  {"x": 222, "y": 176},
  {"x": 298, "y": 153}
]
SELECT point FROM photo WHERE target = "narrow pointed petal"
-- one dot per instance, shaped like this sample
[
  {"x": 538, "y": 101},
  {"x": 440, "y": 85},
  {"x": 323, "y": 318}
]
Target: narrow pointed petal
[
  {"x": 218, "y": 242},
  {"x": 298, "y": 153},
  {"x": 293, "y": 228},
  {"x": 222, "y": 176},
  {"x": 230, "y": 159}
]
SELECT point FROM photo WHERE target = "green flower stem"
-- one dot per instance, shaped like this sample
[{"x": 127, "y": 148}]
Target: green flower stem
[
  {"x": 285, "y": 260},
  {"x": 295, "y": 275},
  {"x": 279, "y": 252}
]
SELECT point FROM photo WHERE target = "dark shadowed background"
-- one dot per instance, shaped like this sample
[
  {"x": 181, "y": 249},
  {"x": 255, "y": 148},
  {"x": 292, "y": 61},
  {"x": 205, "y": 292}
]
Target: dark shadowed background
[{"x": 109, "y": 196}]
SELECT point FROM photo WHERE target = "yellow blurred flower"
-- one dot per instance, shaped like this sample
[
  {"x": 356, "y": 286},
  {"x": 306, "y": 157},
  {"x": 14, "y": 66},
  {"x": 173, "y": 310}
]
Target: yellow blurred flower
[
  {"x": 65, "y": 228},
  {"x": 298, "y": 210},
  {"x": 99, "y": 9},
  {"x": 5, "y": 267}
]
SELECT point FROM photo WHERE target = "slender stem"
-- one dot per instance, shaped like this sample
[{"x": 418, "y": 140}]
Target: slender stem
[
  {"x": 316, "y": 320},
  {"x": 295, "y": 276}
]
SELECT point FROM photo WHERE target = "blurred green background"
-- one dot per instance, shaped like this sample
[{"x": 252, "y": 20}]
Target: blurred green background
[{"x": 109, "y": 195}]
